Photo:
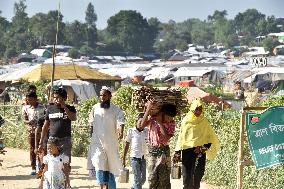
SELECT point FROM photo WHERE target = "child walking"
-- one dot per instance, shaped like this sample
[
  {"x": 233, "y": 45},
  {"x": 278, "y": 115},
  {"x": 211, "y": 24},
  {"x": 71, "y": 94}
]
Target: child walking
[
  {"x": 136, "y": 138},
  {"x": 56, "y": 167}
]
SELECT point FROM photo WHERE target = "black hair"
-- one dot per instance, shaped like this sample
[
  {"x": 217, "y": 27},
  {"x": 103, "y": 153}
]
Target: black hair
[
  {"x": 238, "y": 82},
  {"x": 107, "y": 91},
  {"x": 54, "y": 141},
  {"x": 31, "y": 87},
  {"x": 61, "y": 92},
  {"x": 140, "y": 115},
  {"x": 169, "y": 109},
  {"x": 31, "y": 94}
]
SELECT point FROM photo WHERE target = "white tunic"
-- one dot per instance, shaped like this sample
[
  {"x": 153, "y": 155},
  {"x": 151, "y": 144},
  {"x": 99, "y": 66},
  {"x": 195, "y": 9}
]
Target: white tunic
[
  {"x": 104, "y": 143},
  {"x": 137, "y": 141}
]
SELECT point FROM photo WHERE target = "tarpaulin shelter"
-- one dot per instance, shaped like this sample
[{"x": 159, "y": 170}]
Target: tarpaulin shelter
[
  {"x": 71, "y": 72},
  {"x": 67, "y": 71},
  {"x": 195, "y": 92},
  {"x": 77, "y": 90}
]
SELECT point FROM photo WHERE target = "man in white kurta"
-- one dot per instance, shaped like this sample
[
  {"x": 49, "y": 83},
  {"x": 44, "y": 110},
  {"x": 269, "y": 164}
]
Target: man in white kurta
[{"x": 107, "y": 121}]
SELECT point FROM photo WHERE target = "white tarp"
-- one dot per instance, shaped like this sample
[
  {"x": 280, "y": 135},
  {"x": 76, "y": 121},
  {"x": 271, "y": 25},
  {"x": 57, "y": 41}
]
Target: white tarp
[
  {"x": 59, "y": 60},
  {"x": 14, "y": 67},
  {"x": 38, "y": 52},
  {"x": 157, "y": 73},
  {"x": 262, "y": 71},
  {"x": 16, "y": 75},
  {"x": 83, "y": 89},
  {"x": 191, "y": 72},
  {"x": 121, "y": 72}
]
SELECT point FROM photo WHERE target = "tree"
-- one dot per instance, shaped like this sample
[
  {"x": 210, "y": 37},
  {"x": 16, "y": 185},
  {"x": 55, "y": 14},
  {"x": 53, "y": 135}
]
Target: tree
[
  {"x": 224, "y": 32},
  {"x": 75, "y": 34},
  {"x": 154, "y": 28},
  {"x": 44, "y": 28},
  {"x": 91, "y": 30},
  {"x": 38, "y": 26},
  {"x": 271, "y": 25},
  {"x": 246, "y": 23},
  {"x": 91, "y": 16},
  {"x": 202, "y": 33},
  {"x": 73, "y": 53},
  {"x": 218, "y": 16},
  {"x": 167, "y": 38},
  {"x": 86, "y": 50},
  {"x": 10, "y": 52},
  {"x": 54, "y": 18},
  {"x": 4, "y": 25},
  {"x": 131, "y": 31},
  {"x": 19, "y": 38},
  {"x": 20, "y": 20},
  {"x": 269, "y": 44}
]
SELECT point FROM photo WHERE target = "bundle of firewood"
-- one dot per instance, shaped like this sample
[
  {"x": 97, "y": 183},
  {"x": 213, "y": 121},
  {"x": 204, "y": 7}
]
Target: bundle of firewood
[{"x": 159, "y": 97}]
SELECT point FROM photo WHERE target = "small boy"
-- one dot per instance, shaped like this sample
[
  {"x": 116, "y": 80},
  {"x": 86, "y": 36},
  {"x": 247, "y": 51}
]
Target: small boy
[
  {"x": 32, "y": 113},
  {"x": 136, "y": 138}
]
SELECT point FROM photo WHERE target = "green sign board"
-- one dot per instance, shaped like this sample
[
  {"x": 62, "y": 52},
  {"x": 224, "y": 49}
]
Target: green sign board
[{"x": 265, "y": 133}]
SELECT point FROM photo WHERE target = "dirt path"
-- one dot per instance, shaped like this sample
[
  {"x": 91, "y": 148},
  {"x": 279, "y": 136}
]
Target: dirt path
[{"x": 14, "y": 174}]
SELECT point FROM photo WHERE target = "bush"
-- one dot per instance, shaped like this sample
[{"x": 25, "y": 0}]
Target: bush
[
  {"x": 81, "y": 128},
  {"x": 223, "y": 169},
  {"x": 73, "y": 53},
  {"x": 122, "y": 98},
  {"x": 10, "y": 52},
  {"x": 85, "y": 49}
]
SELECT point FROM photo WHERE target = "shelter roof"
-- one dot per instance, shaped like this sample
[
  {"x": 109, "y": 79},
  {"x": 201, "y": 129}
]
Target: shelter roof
[{"x": 69, "y": 71}]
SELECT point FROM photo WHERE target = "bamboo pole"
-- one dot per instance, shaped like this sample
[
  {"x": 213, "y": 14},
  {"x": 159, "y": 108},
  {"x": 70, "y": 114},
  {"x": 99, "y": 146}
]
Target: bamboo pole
[
  {"x": 53, "y": 71},
  {"x": 54, "y": 52},
  {"x": 241, "y": 153}
]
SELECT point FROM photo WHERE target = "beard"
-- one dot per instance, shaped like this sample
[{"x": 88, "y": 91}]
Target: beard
[{"x": 105, "y": 104}]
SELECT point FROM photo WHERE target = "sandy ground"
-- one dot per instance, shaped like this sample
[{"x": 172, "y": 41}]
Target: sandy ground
[{"x": 14, "y": 174}]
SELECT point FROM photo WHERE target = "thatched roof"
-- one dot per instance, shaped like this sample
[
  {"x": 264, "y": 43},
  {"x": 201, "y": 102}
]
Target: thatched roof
[{"x": 69, "y": 71}]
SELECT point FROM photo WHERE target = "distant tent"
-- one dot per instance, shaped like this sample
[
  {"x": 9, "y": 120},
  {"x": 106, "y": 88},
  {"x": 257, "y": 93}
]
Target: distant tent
[
  {"x": 25, "y": 58},
  {"x": 42, "y": 52},
  {"x": 195, "y": 92},
  {"x": 71, "y": 72},
  {"x": 77, "y": 90},
  {"x": 177, "y": 57},
  {"x": 67, "y": 71}
]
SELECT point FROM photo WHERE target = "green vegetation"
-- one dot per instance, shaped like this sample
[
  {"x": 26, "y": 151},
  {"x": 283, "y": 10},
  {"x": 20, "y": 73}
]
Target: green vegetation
[
  {"x": 128, "y": 32},
  {"x": 220, "y": 171},
  {"x": 218, "y": 91},
  {"x": 223, "y": 169},
  {"x": 73, "y": 53}
]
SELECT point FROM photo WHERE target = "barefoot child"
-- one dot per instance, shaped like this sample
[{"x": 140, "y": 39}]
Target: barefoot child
[
  {"x": 56, "y": 167},
  {"x": 136, "y": 138}
]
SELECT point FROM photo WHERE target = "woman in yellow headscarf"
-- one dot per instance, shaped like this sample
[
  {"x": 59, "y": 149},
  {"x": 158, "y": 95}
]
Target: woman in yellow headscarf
[{"x": 196, "y": 141}]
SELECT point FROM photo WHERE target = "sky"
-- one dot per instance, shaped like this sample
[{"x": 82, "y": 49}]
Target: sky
[{"x": 164, "y": 10}]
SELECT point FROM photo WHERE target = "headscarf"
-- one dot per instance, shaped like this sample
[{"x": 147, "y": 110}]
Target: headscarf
[
  {"x": 196, "y": 131},
  {"x": 106, "y": 88}
]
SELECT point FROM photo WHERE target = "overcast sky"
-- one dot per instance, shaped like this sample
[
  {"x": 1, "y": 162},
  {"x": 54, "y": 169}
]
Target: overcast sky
[{"x": 164, "y": 10}]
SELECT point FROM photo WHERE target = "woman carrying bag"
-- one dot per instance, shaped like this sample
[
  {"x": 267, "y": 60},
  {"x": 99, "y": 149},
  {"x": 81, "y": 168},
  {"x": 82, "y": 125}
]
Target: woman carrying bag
[{"x": 196, "y": 142}]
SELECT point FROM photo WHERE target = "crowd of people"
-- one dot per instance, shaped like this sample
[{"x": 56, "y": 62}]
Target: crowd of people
[
  {"x": 49, "y": 128},
  {"x": 49, "y": 136}
]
